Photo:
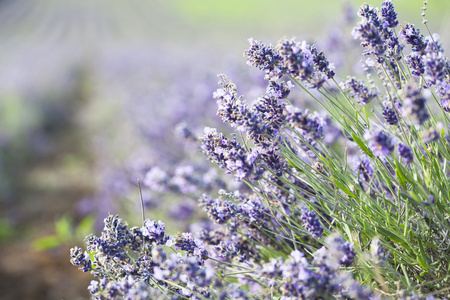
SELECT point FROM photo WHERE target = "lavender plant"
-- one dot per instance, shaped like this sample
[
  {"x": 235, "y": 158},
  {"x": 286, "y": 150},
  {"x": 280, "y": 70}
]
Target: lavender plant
[{"x": 348, "y": 203}]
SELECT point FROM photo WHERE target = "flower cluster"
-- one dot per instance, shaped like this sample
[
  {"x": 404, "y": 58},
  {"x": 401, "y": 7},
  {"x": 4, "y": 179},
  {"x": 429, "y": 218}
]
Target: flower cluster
[
  {"x": 298, "y": 59},
  {"x": 132, "y": 263},
  {"x": 306, "y": 225},
  {"x": 359, "y": 90},
  {"x": 230, "y": 155},
  {"x": 380, "y": 143},
  {"x": 297, "y": 278}
]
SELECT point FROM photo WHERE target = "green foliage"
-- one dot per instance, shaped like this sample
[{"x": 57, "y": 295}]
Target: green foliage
[
  {"x": 65, "y": 232},
  {"x": 6, "y": 230}
]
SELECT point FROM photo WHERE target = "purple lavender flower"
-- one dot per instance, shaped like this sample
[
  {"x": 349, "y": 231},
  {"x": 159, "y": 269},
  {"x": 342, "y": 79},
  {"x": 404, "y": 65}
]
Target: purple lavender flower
[
  {"x": 297, "y": 278},
  {"x": 359, "y": 90},
  {"x": 279, "y": 90},
  {"x": 231, "y": 107},
  {"x": 378, "y": 38},
  {"x": 405, "y": 153},
  {"x": 380, "y": 143},
  {"x": 229, "y": 154},
  {"x": 322, "y": 63},
  {"x": 255, "y": 126},
  {"x": 154, "y": 232},
  {"x": 312, "y": 223},
  {"x": 156, "y": 179},
  {"x": 415, "y": 63},
  {"x": 388, "y": 14},
  {"x": 339, "y": 253},
  {"x": 354, "y": 290},
  {"x": 186, "y": 242},
  {"x": 297, "y": 59},
  {"x": 435, "y": 67},
  {"x": 430, "y": 201},
  {"x": 412, "y": 36},
  {"x": 184, "y": 180},
  {"x": 80, "y": 258},
  {"x": 308, "y": 125},
  {"x": 93, "y": 287},
  {"x": 389, "y": 113},
  {"x": 348, "y": 253},
  {"x": 445, "y": 103},
  {"x": 414, "y": 106},
  {"x": 271, "y": 112},
  {"x": 218, "y": 210},
  {"x": 372, "y": 39},
  {"x": 253, "y": 211},
  {"x": 265, "y": 58},
  {"x": 444, "y": 91},
  {"x": 183, "y": 131},
  {"x": 271, "y": 157},
  {"x": 429, "y": 61},
  {"x": 236, "y": 247}
]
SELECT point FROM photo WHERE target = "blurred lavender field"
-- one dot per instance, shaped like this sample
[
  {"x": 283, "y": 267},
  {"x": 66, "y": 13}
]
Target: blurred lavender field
[{"x": 91, "y": 93}]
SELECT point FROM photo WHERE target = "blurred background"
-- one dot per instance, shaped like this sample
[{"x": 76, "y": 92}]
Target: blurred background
[{"x": 91, "y": 93}]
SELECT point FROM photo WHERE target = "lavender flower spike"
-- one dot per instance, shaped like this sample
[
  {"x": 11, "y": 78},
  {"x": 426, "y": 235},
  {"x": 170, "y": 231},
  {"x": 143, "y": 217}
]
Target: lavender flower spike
[
  {"x": 405, "y": 153},
  {"x": 229, "y": 154},
  {"x": 380, "y": 143},
  {"x": 359, "y": 90},
  {"x": 414, "y": 106}
]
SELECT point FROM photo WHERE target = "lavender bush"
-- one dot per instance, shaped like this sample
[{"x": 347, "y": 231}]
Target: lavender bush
[{"x": 348, "y": 203}]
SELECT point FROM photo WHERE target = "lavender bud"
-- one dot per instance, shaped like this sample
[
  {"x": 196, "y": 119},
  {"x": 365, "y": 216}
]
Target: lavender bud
[
  {"x": 405, "y": 153},
  {"x": 359, "y": 91},
  {"x": 380, "y": 143},
  {"x": 414, "y": 106}
]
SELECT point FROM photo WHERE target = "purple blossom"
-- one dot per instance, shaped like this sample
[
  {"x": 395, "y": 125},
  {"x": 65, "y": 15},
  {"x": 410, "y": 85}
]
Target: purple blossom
[
  {"x": 435, "y": 67},
  {"x": 359, "y": 90},
  {"x": 279, "y": 90},
  {"x": 271, "y": 157},
  {"x": 312, "y": 223},
  {"x": 154, "y": 232},
  {"x": 186, "y": 242},
  {"x": 229, "y": 154},
  {"x": 412, "y": 36},
  {"x": 308, "y": 125},
  {"x": 231, "y": 107},
  {"x": 322, "y": 278},
  {"x": 415, "y": 63},
  {"x": 380, "y": 142},
  {"x": 298, "y": 60},
  {"x": 156, "y": 179},
  {"x": 265, "y": 58},
  {"x": 81, "y": 259},
  {"x": 389, "y": 113},
  {"x": 414, "y": 105},
  {"x": 372, "y": 39},
  {"x": 271, "y": 113},
  {"x": 218, "y": 210},
  {"x": 430, "y": 201},
  {"x": 322, "y": 63},
  {"x": 388, "y": 14},
  {"x": 236, "y": 247},
  {"x": 183, "y": 131},
  {"x": 444, "y": 91},
  {"x": 405, "y": 153},
  {"x": 376, "y": 34}
]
